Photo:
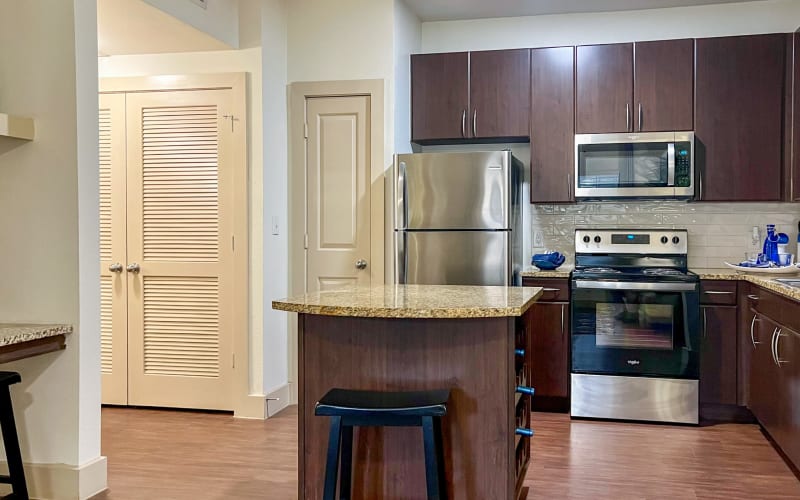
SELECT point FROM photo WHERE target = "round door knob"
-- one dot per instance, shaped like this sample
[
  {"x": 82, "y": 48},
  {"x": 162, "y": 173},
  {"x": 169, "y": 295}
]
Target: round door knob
[
  {"x": 361, "y": 264},
  {"x": 133, "y": 268},
  {"x": 116, "y": 267}
]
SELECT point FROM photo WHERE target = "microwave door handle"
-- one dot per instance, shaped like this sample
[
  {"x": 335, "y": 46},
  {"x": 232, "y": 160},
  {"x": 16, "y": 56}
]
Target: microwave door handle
[{"x": 671, "y": 164}]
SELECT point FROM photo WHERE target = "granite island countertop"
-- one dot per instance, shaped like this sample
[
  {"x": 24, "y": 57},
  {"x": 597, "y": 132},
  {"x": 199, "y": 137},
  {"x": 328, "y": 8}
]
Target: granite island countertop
[
  {"x": 415, "y": 301},
  {"x": 17, "y": 333},
  {"x": 763, "y": 280},
  {"x": 535, "y": 272}
]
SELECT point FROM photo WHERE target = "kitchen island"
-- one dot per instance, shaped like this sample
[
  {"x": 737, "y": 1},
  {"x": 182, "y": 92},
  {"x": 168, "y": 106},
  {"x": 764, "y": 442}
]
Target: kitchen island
[{"x": 418, "y": 337}]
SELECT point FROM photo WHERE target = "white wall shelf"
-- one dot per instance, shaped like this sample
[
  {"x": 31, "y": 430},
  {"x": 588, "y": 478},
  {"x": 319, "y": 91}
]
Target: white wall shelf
[{"x": 16, "y": 127}]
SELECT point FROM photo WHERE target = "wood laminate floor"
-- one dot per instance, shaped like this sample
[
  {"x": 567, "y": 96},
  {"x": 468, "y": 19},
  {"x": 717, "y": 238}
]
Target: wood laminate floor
[{"x": 169, "y": 455}]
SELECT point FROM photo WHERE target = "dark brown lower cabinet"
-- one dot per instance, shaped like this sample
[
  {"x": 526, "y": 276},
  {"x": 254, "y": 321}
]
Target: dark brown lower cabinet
[
  {"x": 718, "y": 355},
  {"x": 550, "y": 349},
  {"x": 550, "y": 341}
]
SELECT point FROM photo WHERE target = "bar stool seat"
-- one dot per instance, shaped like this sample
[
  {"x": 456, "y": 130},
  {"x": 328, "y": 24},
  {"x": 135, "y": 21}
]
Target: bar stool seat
[
  {"x": 16, "y": 473},
  {"x": 350, "y": 408}
]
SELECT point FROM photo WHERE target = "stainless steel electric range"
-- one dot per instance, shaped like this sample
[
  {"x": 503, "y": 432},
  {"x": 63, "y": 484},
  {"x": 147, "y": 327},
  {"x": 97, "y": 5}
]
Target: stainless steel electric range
[{"x": 635, "y": 330}]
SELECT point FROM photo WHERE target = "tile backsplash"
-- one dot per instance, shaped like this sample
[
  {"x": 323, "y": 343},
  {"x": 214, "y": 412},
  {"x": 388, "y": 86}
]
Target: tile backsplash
[{"x": 718, "y": 232}]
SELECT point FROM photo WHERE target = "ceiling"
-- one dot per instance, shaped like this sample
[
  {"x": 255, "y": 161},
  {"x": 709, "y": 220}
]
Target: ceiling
[
  {"x": 135, "y": 27},
  {"x": 446, "y": 10}
]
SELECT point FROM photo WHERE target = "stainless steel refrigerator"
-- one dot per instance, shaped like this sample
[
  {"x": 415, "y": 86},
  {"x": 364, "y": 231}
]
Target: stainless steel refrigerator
[{"x": 457, "y": 218}]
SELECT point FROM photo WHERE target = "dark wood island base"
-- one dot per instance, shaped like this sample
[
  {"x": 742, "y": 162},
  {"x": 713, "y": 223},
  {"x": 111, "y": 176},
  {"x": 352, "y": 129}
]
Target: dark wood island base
[{"x": 473, "y": 356}]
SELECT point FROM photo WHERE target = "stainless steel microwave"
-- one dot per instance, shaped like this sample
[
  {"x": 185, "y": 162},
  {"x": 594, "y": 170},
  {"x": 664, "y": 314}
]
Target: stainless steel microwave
[{"x": 633, "y": 165}]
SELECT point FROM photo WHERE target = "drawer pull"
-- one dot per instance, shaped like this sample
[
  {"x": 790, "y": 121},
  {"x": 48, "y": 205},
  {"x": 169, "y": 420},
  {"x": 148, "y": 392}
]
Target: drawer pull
[
  {"x": 717, "y": 292},
  {"x": 551, "y": 289},
  {"x": 752, "y": 297}
]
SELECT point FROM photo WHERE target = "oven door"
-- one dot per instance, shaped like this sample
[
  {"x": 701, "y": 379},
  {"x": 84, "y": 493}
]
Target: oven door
[
  {"x": 645, "y": 329},
  {"x": 658, "y": 164}
]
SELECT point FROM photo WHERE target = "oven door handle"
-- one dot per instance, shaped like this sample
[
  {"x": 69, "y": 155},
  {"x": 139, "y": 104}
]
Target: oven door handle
[{"x": 626, "y": 285}]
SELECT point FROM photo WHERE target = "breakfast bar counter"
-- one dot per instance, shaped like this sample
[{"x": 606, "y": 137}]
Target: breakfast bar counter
[
  {"x": 419, "y": 337},
  {"x": 23, "y": 340}
]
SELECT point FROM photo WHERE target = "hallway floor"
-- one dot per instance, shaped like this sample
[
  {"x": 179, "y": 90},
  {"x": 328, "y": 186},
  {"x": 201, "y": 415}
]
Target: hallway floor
[{"x": 174, "y": 455}]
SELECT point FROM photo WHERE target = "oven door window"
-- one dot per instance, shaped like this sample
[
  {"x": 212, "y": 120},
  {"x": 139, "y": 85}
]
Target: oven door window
[
  {"x": 623, "y": 332},
  {"x": 623, "y": 165}
]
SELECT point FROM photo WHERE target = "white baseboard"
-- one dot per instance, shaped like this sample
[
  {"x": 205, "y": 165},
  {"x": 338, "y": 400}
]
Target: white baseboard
[
  {"x": 278, "y": 399},
  {"x": 65, "y": 482}
]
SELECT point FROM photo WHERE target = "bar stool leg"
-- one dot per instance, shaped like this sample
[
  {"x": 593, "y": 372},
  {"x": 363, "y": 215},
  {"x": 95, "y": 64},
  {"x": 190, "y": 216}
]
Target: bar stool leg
[
  {"x": 11, "y": 443},
  {"x": 332, "y": 464},
  {"x": 346, "y": 474},
  {"x": 437, "y": 435},
  {"x": 431, "y": 459}
]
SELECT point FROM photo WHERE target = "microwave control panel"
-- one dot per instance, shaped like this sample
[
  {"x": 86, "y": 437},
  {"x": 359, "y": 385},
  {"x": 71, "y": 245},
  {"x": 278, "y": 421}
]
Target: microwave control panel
[{"x": 683, "y": 164}]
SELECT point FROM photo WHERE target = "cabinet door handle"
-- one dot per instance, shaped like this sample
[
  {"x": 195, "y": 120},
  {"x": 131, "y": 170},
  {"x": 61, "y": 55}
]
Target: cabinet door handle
[
  {"x": 752, "y": 325},
  {"x": 772, "y": 345},
  {"x": 562, "y": 319},
  {"x": 705, "y": 323},
  {"x": 627, "y": 117},
  {"x": 550, "y": 289},
  {"x": 752, "y": 297},
  {"x": 640, "y": 117},
  {"x": 569, "y": 187},
  {"x": 778, "y": 336},
  {"x": 475, "y": 122},
  {"x": 463, "y": 123},
  {"x": 717, "y": 292}
]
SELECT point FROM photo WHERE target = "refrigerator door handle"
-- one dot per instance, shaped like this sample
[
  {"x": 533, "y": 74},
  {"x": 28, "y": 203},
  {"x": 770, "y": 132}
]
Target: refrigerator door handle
[
  {"x": 402, "y": 257},
  {"x": 402, "y": 206}
]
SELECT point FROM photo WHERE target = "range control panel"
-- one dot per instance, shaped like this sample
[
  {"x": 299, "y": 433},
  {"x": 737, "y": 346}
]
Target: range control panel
[{"x": 642, "y": 241}]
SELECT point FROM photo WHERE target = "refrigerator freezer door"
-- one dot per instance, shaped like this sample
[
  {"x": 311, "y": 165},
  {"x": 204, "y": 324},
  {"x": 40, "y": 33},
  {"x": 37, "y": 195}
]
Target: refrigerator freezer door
[
  {"x": 453, "y": 257},
  {"x": 453, "y": 190}
]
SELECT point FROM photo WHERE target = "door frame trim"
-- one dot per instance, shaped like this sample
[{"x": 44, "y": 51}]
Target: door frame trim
[
  {"x": 297, "y": 227},
  {"x": 244, "y": 404}
]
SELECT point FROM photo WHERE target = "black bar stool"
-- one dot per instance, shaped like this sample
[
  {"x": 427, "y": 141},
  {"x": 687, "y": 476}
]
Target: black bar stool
[
  {"x": 16, "y": 474},
  {"x": 349, "y": 409}
]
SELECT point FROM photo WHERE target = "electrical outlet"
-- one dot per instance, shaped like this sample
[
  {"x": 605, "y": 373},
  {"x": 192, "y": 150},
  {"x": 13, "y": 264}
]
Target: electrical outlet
[{"x": 538, "y": 239}]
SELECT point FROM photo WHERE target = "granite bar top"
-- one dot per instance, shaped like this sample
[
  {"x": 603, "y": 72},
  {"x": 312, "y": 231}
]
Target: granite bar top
[
  {"x": 763, "y": 280},
  {"x": 415, "y": 301},
  {"x": 535, "y": 272},
  {"x": 17, "y": 333}
]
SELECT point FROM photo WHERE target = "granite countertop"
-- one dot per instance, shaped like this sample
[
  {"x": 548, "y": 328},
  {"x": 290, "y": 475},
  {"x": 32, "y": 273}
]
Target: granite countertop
[
  {"x": 535, "y": 272},
  {"x": 17, "y": 333},
  {"x": 415, "y": 301},
  {"x": 763, "y": 280}
]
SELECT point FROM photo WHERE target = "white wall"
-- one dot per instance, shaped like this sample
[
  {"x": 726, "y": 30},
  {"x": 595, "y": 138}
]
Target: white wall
[
  {"x": 610, "y": 27},
  {"x": 220, "y": 19},
  {"x": 228, "y": 61},
  {"x": 276, "y": 348},
  {"x": 48, "y": 218},
  {"x": 407, "y": 41}
]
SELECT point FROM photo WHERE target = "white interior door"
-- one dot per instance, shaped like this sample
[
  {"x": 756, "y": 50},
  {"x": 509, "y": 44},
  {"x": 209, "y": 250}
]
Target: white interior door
[
  {"x": 180, "y": 248},
  {"x": 113, "y": 252},
  {"x": 338, "y": 191}
]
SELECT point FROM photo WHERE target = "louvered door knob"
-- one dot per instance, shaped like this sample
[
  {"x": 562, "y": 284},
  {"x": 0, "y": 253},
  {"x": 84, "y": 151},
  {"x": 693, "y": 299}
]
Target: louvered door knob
[
  {"x": 133, "y": 268},
  {"x": 116, "y": 267},
  {"x": 361, "y": 264}
]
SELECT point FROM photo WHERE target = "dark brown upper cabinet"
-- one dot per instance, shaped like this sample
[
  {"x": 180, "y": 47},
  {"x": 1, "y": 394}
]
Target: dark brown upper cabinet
[
  {"x": 641, "y": 87},
  {"x": 552, "y": 124},
  {"x": 439, "y": 96},
  {"x": 663, "y": 85},
  {"x": 604, "y": 88},
  {"x": 793, "y": 105},
  {"x": 739, "y": 93},
  {"x": 500, "y": 92},
  {"x": 477, "y": 95}
]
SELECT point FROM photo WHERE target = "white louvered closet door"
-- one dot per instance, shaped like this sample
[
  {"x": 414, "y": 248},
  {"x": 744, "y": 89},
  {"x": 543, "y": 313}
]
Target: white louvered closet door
[
  {"x": 180, "y": 228},
  {"x": 113, "y": 280}
]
